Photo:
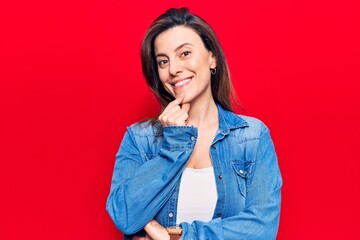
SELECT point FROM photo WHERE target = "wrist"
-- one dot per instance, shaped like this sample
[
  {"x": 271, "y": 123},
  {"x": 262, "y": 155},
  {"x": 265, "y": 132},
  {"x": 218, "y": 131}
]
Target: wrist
[
  {"x": 155, "y": 231},
  {"x": 174, "y": 232}
]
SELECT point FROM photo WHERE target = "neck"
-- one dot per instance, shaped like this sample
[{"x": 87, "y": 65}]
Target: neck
[{"x": 203, "y": 113}]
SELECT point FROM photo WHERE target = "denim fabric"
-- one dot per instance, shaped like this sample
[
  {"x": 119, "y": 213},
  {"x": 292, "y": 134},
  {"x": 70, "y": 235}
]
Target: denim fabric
[{"x": 151, "y": 159}]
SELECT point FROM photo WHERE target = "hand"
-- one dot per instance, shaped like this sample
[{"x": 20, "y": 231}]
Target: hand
[
  {"x": 156, "y": 231},
  {"x": 175, "y": 113},
  {"x": 147, "y": 237}
]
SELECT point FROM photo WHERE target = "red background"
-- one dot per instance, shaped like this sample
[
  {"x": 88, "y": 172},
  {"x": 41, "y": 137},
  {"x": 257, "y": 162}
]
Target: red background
[{"x": 71, "y": 82}]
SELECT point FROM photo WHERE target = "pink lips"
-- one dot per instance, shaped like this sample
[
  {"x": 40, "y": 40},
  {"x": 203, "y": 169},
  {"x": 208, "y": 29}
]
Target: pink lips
[{"x": 180, "y": 83}]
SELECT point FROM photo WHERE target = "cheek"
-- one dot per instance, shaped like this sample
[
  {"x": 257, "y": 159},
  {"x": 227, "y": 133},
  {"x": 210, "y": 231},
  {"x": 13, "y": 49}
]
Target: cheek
[
  {"x": 201, "y": 68},
  {"x": 193, "y": 64},
  {"x": 162, "y": 75},
  {"x": 198, "y": 63}
]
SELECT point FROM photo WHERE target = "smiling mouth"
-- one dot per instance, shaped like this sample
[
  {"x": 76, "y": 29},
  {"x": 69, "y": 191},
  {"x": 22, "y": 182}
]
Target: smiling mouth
[{"x": 182, "y": 82}]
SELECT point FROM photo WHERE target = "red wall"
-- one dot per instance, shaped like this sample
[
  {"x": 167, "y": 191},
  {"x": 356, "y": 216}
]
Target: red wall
[{"x": 71, "y": 82}]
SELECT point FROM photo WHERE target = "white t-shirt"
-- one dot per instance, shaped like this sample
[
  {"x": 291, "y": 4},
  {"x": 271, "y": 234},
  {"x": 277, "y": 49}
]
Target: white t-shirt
[{"x": 197, "y": 195}]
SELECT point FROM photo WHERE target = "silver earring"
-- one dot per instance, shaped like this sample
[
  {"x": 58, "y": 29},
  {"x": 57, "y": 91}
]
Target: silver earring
[{"x": 213, "y": 71}]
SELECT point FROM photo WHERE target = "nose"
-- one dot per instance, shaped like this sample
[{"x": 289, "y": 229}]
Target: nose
[{"x": 175, "y": 67}]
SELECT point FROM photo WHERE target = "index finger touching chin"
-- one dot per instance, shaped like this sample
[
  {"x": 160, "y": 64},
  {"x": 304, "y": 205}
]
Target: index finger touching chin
[
  {"x": 185, "y": 107},
  {"x": 179, "y": 98}
]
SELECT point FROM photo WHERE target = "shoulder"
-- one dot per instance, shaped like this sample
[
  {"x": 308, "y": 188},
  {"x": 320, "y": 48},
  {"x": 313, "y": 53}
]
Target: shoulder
[
  {"x": 241, "y": 125},
  {"x": 253, "y": 122},
  {"x": 254, "y": 127}
]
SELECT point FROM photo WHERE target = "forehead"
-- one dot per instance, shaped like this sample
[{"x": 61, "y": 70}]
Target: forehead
[{"x": 170, "y": 39}]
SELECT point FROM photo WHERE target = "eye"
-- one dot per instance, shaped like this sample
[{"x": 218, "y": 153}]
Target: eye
[
  {"x": 162, "y": 63},
  {"x": 185, "y": 53}
]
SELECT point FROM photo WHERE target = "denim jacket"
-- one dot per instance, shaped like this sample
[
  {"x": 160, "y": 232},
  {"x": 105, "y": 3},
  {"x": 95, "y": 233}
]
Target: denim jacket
[{"x": 151, "y": 159}]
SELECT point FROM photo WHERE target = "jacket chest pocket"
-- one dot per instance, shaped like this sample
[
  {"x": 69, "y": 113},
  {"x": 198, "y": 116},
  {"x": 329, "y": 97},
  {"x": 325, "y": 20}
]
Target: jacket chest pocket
[{"x": 243, "y": 171}]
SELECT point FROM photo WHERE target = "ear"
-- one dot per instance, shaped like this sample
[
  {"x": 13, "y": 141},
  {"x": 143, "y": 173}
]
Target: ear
[{"x": 212, "y": 60}]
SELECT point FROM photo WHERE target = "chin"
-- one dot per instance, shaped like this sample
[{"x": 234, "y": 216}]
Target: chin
[{"x": 186, "y": 100}]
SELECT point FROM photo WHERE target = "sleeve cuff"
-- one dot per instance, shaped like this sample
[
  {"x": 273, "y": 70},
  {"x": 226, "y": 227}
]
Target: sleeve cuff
[{"x": 179, "y": 137}]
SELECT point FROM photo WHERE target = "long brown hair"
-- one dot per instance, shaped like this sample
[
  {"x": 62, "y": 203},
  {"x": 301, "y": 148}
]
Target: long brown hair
[{"x": 221, "y": 85}]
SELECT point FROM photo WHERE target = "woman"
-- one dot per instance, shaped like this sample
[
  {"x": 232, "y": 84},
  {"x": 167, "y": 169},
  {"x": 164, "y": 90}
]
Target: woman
[{"x": 198, "y": 166}]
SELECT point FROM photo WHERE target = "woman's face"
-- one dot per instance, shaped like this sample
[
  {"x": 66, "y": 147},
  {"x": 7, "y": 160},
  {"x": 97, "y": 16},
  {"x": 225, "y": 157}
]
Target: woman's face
[{"x": 184, "y": 63}]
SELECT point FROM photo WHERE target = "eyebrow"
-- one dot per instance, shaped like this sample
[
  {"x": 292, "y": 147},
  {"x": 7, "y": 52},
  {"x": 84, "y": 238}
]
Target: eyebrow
[{"x": 176, "y": 49}]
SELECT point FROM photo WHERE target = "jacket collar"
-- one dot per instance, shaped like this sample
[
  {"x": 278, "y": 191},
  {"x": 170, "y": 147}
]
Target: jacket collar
[{"x": 229, "y": 120}]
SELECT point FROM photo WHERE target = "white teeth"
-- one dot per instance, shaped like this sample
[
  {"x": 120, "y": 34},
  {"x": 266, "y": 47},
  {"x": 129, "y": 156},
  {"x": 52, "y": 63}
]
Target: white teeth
[{"x": 182, "y": 82}]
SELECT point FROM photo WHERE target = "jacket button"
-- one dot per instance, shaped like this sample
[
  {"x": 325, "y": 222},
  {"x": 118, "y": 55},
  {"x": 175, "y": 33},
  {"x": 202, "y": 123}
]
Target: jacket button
[
  {"x": 171, "y": 215},
  {"x": 220, "y": 177},
  {"x": 192, "y": 138},
  {"x": 219, "y": 214}
]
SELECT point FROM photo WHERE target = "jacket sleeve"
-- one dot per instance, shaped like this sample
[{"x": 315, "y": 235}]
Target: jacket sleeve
[
  {"x": 260, "y": 218},
  {"x": 140, "y": 188}
]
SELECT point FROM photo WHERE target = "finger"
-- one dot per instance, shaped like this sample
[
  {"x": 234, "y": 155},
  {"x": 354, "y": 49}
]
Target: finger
[
  {"x": 185, "y": 107},
  {"x": 168, "y": 116},
  {"x": 176, "y": 118},
  {"x": 182, "y": 119},
  {"x": 172, "y": 104},
  {"x": 172, "y": 111},
  {"x": 139, "y": 238},
  {"x": 165, "y": 118},
  {"x": 179, "y": 98}
]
